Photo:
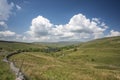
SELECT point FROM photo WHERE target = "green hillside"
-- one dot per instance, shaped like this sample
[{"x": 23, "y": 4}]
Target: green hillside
[
  {"x": 12, "y": 46},
  {"x": 5, "y": 73},
  {"x": 8, "y": 46},
  {"x": 57, "y": 44},
  {"x": 110, "y": 42},
  {"x": 93, "y": 60}
]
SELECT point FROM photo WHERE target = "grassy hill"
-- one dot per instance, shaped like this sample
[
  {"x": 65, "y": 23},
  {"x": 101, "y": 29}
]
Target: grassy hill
[
  {"x": 93, "y": 60},
  {"x": 5, "y": 73},
  {"x": 57, "y": 44},
  {"x": 12, "y": 46},
  {"x": 110, "y": 42},
  {"x": 8, "y": 46}
]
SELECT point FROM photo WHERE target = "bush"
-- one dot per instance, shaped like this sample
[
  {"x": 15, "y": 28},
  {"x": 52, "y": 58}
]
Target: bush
[
  {"x": 92, "y": 59},
  {"x": 75, "y": 49}
]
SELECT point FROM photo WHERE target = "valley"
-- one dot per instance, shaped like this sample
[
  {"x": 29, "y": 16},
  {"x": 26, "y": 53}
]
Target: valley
[{"x": 92, "y": 60}]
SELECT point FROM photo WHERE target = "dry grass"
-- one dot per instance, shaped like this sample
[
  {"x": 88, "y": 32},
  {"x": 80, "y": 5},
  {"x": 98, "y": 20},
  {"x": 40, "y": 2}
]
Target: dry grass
[{"x": 72, "y": 66}]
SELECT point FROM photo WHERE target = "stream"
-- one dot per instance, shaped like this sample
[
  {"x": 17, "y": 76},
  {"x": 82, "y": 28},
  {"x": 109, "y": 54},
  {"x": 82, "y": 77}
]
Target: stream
[{"x": 17, "y": 71}]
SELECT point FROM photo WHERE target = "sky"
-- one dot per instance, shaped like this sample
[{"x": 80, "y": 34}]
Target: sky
[{"x": 58, "y": 20}]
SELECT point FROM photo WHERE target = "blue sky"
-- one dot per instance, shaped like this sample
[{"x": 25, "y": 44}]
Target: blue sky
[{"x": 58, "y": 20}]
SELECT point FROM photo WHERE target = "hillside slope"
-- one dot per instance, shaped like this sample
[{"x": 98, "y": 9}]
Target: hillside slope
[
  {"x": 8, "y": 46},
  {"x": 109, "y": 42},
  {"x": 12, "y": 46},
  {"x": 93, "y": 60}
]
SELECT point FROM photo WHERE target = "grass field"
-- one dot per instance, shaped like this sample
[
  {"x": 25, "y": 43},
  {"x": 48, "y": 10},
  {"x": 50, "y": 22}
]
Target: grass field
[
  {"x": 12, "y": 46},
  {"x": 5, "y": 72},
  {"x": 5, "y": 48},
  {"x": 93, "y": 60}
]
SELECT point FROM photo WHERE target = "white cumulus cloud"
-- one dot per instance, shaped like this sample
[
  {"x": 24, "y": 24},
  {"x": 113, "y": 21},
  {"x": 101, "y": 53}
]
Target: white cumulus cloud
[
  {"x": 6, "y": 33},
  {"x": 78, "y": 28},
  {"x": 40, "y": 27},
  {"x": 5, "y": 9},
  {"x": 18, "y": 7},
  {"x": 113, "y": 33},
  {"x": 10, "y": 36},
  {"x": 3, "y": 25},
  {"x": 80, "y": 24}
]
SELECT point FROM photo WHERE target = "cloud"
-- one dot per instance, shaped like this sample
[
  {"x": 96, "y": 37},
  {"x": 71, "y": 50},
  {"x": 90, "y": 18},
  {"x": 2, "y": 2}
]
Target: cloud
[
  {"x": 6, "y": 33},
  {"x": 40, "y": 27},
  {"x": 18, "y": 7},
  {"x": 80, "y": 24},
  {"x": 5, "y": 9},
  {"x": 3, "y": 25},
  {"x": 96, "y": 20},
  {"x": 113, "y": 33},
  {"x": 78, "y": 28},
  {"x": 10, "y": 36}
]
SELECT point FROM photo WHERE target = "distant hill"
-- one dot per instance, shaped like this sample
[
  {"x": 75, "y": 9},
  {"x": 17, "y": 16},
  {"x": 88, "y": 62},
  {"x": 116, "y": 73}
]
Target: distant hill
[
  {"x": 58, "y": 44},
  {"x": 108, "y": 42},
  {"x": 12, "y": 45}
]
